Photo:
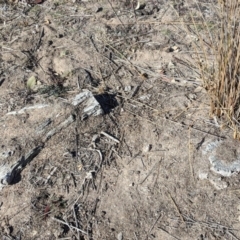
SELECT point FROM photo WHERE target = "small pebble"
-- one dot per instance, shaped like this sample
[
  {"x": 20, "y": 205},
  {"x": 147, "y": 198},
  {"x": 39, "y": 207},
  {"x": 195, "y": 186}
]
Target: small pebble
[
  {"x": 203, "y": 175},
  {"x": 120, "y": 236},
  {"x": 147, "y": 148},
  {"x": 192, "y": 96},
  {"x": 127, "y": 88}
]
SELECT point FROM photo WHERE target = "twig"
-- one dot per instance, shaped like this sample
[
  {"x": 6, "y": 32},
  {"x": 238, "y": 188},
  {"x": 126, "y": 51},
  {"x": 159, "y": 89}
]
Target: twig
[
  {"x": 153, "y": 168},
  {"x": 66, "y": 238},
  {"x": 175, "y": 205},
  {"x": 78, "y": 82},
  {"x": 110, "y": 137},
  {"x": 96, "y": 49},
  {"x": 70, "y": 226},
  {"x": 135, "y": 236},
  {"x": 211, "y": 225},
  {"x": 51, "y": 173},
  {"x": 175, "y": 122},
  {"x": 135, "y": 156},
  {"x": 189, "y": 154},
  {"x": 18, "y": 212},
  {"x": 23, "y": 110},
  {"x": 159, "y": 23},
  {"x": 40, "y": 39},
  {"x": 168, "y": 233},
  {"x": 155, "y": 181},
  {"x": 232, "y": 235},
  {"x": 89, "y": 15},
  {"x": 150, "y": 230},
  {"x": 100, "y": 155},
  {"x": 77, "y": 145},
  {"x": 123, "y": 56},
  {"x": 117, "y": 16},
  {"x": 76, "y": 221}
]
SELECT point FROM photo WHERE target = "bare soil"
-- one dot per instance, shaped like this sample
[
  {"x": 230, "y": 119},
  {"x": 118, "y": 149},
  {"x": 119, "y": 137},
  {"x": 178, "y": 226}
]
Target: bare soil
[{"x": 152, "y": 178}]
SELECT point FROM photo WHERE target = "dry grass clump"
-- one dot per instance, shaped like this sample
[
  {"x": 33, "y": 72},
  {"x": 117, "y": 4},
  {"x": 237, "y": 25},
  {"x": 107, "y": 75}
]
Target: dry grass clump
[{"x": 223, "y": 82}]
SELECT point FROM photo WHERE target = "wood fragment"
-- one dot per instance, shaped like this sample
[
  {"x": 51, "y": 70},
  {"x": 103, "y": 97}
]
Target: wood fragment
[{"x": 110, "y": 137}]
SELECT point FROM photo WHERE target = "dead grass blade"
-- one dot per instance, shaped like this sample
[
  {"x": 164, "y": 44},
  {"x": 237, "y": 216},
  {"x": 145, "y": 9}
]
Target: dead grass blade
[{"x": 221, "y": 79}]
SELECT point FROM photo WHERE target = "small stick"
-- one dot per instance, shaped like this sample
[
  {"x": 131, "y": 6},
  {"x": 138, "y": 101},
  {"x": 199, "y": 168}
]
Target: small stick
[
  {"x": 110, "y": 137},
  {"x": 159, "y": 23},
  {"x": 135, "y": 156},
  {"x": 71, "y": 227},
  {"x": 232, "y": 235},
  {"x": 78, "y": 83},
  {"x": 175, "y": 122},
  {"x": 101, "y": 157},
  {"x": 40, "y": 39},
  {"x": 51, "y": 173},
  {"x": 88, "y": 15},
  {"x": 189, "y": 154},
  {"x": 23, "y": 110},
  {"x": 117, "y": 15},
  {"x": 77, "y": 140},
  {"x": 76, "y": 221},
  {"x": 154, "y": 167},
  {"x": 168, "y": 233},
  {"x": 150, "y": 230},
  {"x": 135, "y": 235},
  {"x": 175, "y": 205}
]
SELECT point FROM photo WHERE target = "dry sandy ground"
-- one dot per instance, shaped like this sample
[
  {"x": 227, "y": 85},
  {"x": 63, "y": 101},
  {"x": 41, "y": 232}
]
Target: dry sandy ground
[{"x": 162, "y": 170}]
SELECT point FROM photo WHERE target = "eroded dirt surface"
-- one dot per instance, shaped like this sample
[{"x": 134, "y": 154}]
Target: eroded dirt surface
[{"x": 151, "y": 180}]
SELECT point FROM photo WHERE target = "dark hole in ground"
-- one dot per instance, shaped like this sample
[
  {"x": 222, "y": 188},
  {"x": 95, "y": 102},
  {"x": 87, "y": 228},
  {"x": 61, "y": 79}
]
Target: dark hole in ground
[{"x": 107, "y": 102}]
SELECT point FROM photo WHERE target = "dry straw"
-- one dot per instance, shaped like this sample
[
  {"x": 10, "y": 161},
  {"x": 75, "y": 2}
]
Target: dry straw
[{"x": 221, "y": 80}]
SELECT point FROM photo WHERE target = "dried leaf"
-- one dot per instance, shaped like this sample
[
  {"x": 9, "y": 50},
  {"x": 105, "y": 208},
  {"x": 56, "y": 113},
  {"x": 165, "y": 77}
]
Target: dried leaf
[{"x": 31, "y": 82}]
